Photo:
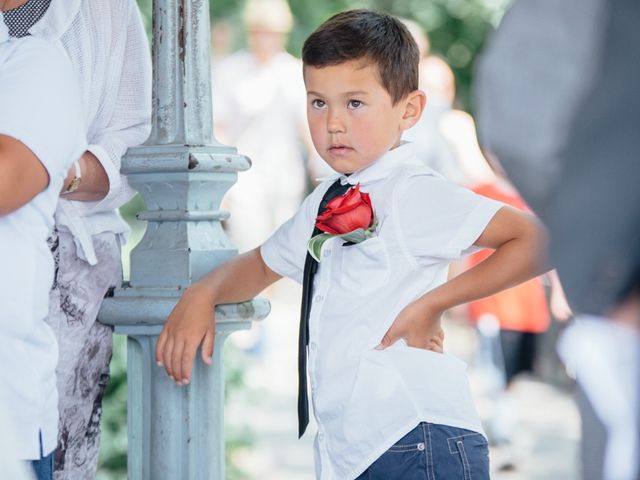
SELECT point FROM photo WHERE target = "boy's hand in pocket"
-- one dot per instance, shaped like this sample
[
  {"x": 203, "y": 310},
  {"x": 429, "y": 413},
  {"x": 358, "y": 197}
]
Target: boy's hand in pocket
[{"x": 418, "y": 326}]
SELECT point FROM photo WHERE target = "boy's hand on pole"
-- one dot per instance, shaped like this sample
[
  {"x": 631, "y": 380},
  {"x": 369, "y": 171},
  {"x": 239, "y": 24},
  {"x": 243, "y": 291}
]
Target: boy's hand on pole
[
  {"x": 190, "y": 324},
  {"x": 419, "y": 327}
]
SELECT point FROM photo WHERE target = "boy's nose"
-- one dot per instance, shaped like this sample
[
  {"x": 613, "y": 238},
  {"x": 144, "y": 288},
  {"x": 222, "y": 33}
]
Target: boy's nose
[{"x": 335, "y": 123}]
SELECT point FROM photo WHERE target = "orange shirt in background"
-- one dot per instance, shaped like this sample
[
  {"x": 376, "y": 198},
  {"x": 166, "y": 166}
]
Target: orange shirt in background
[{"x": 522, "y": 308}]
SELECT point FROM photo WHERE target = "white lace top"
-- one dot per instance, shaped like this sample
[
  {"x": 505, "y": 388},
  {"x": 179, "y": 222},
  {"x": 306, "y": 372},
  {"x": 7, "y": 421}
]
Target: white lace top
[{"x": 109, "y": 50}]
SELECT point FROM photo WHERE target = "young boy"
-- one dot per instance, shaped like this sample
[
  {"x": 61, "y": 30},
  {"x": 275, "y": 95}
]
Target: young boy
[{"x": 389, "y": 405}]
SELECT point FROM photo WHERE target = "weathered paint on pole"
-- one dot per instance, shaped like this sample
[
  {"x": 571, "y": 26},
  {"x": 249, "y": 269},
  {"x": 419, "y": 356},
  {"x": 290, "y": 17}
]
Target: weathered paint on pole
[{"x": 182, "y": 174}]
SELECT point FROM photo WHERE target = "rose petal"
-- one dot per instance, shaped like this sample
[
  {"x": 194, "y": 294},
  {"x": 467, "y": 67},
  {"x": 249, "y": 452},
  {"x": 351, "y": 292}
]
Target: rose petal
[
  {"x": 326, "y": 228},
  {"x": 334, "y": 202},
  {"x": 352, "y": 197},
  {"x": 359, "y": 217}
]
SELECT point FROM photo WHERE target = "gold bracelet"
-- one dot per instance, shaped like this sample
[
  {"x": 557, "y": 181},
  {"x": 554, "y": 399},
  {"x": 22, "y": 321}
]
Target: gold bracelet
[{"x": 75, "y": 183}]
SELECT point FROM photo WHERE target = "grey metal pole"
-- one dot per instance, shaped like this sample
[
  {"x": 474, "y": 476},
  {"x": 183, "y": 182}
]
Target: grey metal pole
[{"x": 182, "y": 173}]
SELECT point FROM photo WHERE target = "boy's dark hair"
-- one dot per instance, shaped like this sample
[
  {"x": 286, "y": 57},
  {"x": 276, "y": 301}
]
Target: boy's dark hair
[{"x": 371, "y": 36}]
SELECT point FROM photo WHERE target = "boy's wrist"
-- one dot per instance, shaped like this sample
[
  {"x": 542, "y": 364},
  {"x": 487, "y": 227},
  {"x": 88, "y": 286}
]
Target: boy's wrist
[
  {"x": 202, "y": 292},
  {"x": 432, "y": 306}
]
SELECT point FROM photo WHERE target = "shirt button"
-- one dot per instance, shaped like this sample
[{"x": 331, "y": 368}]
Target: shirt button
[
  {"x": 312, "y": 346},
  {"x": 321, "y": 437},
  {"x": 319, "y": 298},
  {"x": 326, "y": 253}
]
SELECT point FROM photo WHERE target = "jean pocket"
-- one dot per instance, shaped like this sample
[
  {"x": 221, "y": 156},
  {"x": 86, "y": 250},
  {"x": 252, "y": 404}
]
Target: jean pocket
[
  {"x": 412, "y": 447},
  {"x": 413, "y": 441},
  {"x": 403, "y": 461},
  {"x": 472, "y": 451}
]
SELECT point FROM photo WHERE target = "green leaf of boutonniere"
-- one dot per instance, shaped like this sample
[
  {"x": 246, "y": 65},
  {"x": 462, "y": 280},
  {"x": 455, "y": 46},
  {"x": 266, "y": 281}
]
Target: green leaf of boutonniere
[{"x": 316, "y": 243}]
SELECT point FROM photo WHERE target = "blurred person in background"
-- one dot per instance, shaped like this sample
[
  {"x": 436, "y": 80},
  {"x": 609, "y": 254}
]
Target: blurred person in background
[
  {"x": 108, "y": 48},
  {"x": 559, "y": 106},
  {"x": 511, "y": 323},
  {"x": 40, "y": 136},
  {"x": 438, "y": 83},
  {"x": 259, "y": 107},
  {"x": 445, "y": 137},
  {"x": 221, "y": 40}
]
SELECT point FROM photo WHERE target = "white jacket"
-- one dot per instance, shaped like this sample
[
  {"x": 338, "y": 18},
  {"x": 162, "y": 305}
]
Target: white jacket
[{"x": 107, "y": 44}]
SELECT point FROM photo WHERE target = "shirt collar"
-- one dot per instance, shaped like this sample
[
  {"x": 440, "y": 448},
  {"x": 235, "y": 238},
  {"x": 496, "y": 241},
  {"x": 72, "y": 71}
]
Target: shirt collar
[
  {"x": 57, "y": 19},
  {"x": 403, "y": 154}
]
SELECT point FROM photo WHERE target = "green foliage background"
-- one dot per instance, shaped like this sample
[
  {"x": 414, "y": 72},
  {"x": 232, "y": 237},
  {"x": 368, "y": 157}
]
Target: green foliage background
[{"x": 457, "y": 31}]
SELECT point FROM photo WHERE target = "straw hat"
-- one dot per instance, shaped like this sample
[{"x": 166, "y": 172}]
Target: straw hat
[{"x": 268, "y": 15}]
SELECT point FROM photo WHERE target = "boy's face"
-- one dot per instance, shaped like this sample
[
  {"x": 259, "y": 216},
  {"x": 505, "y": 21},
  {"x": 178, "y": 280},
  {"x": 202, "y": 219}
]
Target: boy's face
[{"x": 351, "y": 116}]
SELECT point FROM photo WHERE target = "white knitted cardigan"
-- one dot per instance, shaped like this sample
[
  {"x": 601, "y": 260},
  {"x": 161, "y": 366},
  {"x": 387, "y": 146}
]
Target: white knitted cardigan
[{"x": 108, "y": 47}]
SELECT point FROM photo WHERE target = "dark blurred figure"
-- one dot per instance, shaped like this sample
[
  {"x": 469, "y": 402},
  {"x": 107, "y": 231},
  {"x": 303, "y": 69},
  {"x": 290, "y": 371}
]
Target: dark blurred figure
[{"x": 559, "y": 105}]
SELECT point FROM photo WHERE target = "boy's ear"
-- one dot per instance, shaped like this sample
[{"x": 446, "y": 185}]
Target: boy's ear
[{"x": 414, "y": 104}]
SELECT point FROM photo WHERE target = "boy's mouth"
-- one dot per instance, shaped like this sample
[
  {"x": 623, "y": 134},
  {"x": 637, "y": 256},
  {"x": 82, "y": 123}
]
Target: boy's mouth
[{"x": 339, "y": 149}]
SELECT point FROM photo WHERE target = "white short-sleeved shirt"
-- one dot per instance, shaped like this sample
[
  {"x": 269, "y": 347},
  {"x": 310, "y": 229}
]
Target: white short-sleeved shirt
[
  {"x": 364, "y": 399},
  {"x": 40, "y": 107}
]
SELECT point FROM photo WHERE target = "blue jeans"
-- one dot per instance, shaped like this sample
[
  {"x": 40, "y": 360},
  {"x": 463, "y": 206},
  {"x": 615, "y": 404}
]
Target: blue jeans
[
  {"x": 433, "y": 452},
  {"x": 43, "y": 468}
]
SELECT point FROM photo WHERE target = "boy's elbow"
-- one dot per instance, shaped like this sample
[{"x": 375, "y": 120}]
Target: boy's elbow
[
  {"x": 539, "y": 232},
  {"x": 537, "y": 236},
  {"x": 269, "y": 275}
]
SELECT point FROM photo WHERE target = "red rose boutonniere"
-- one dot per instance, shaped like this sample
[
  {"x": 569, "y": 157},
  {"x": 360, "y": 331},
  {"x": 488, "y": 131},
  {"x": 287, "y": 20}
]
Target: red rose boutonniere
[{"x": 349, "y": 216}]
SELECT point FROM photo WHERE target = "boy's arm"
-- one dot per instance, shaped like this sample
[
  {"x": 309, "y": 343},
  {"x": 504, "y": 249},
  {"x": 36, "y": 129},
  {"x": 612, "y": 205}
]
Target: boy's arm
[
  {"x": 519, "y": 241},
  {"x": 192, "y": 321},
  {"x": 22, "y": 176}
]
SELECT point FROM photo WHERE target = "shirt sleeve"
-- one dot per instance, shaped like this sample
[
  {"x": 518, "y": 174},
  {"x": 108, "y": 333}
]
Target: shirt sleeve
[
  {"x": 130, "y": 123},
  {"x": 286, "y": 250},
  {"x": 43, "y": 115},
  {"x": 440, "y": 220}
]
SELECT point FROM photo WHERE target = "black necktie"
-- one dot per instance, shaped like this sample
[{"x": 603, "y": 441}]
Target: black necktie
[{"x": 310, "y": 268}]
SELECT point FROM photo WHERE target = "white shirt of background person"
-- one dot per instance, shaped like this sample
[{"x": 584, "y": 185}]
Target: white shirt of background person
[{"x": 40, "y": 109}]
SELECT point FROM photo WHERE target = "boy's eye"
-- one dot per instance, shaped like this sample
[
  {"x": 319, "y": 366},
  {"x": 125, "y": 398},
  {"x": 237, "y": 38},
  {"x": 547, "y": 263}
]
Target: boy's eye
[
  {"x": 355, "y": 103},
  {"x": 317, "y": 103}
]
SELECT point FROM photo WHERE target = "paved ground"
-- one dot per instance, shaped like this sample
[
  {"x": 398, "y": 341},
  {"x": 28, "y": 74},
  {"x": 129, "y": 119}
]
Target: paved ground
[{"x": 547, "y": 434}]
